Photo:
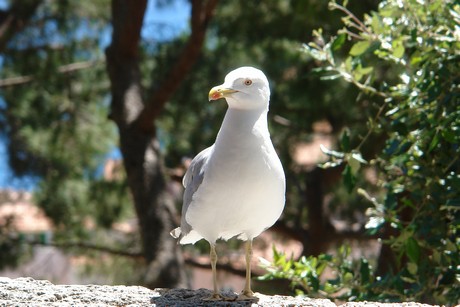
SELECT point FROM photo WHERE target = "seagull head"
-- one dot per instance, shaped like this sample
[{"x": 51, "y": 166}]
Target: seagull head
[{"x": 244, "y": 88}]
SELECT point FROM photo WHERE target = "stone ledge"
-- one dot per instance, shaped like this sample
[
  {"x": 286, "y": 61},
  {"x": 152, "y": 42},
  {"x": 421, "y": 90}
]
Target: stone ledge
[{"x": 30, "y": 292}]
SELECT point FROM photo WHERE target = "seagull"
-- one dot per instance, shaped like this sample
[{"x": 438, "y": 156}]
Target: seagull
[{"x": 236, "y": 187}]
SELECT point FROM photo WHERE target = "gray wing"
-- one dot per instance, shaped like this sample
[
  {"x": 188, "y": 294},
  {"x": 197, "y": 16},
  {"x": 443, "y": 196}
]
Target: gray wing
[{"x": 192, "y": 181}]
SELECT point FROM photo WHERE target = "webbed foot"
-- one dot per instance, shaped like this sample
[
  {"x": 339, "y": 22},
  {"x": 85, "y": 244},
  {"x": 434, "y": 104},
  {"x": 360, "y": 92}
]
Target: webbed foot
[
  {"x": 247, "y": 296},
  {"x": 214, "y": 297}
]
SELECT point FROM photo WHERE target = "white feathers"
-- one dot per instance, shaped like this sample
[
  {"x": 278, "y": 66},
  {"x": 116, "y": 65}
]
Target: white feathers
[{"x": 236, "y": 187}]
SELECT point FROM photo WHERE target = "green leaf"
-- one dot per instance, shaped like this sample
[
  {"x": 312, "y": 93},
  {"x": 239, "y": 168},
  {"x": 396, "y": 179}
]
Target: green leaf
[
  {"x": 338, "y": 42},
  {"x": 364, "y": 271},
  {"x": 376, "y": 23},
  {"x": 450, "y": 246},
  {"x": 413, "y": 250},
  {"x": 366, "y": 70},
  {"x": 315, "y": 53},
  {"x": 320, "y": 268},
  {"x": 331, "y": 153},
  {"x": 345, "y": 140},
  {"x": 349, "y": 179},
  {"x": 348, "y": 64},
  {"x": 412, "y": 268},
  {"x": 330, "y": 77},
  {"x": 359, "y": 48},
  {"x": 354, "y": 164},
  {"x": 330, "y": 164},
  {"x": 408, "y": 280},
  {"x": 398, "y": 49},
  {"x": 436, "y": 257},
  {"x": 416, "y": 58},
  {"x": 347, "y": 277},
  {"x": 434, "y": 142},
  {"x": 357, "y": 156}
]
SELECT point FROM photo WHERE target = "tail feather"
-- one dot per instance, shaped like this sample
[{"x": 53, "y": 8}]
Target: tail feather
[{"x": 175, "y": 233}]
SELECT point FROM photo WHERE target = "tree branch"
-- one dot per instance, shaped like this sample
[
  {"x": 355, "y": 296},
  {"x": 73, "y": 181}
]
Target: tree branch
[
  {"x": 137, "y": 255},
  {"x": 201, "y": 15},
  {"x": 15, "y": 81},
  {"x": 64, "y": 69},
  {"x": 15, "y": 19},
  {"x": 89, "y": 246}
]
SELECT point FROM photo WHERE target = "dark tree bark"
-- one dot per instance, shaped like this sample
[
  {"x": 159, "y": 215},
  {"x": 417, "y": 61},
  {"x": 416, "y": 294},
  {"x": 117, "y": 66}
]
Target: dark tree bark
[
  {"x": 135, "y": 119},
  {"x": 314, "y": 194}
]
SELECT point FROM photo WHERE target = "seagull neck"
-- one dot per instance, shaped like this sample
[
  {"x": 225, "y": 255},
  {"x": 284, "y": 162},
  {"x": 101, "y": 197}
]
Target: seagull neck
[
  {"x": 246, "y": 118},
  {"x": 237, "y": 122}
]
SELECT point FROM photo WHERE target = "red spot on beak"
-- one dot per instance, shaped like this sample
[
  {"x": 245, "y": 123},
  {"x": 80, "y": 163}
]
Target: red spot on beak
[{"x": 216, "y": 95}]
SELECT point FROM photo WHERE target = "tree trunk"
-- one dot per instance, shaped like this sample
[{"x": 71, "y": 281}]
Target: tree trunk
[
  {"x": 321, "y": 233},
  {"x": 142, "y": 160},
  {"x": 135, "y": 118}
]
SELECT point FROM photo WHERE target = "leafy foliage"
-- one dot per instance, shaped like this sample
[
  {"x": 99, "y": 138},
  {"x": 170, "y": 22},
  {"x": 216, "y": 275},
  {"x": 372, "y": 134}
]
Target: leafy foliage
[
  {"x": 56, "y": 120},
  {"x": 335, "y": 277},
  {"x": 404, "y": 58},
  {"x": 11, "y": 253}
]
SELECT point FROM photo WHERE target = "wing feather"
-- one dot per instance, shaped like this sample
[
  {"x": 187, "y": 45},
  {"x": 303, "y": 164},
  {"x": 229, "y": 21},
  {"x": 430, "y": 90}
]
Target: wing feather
[{"x": 191, "y": 182}]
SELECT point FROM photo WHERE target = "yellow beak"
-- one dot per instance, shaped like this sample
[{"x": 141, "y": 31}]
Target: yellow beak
[{"x": 218, "y": 92}]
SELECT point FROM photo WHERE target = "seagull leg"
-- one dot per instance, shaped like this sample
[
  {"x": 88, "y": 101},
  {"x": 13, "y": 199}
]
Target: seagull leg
[
  {"x": 213, "y": 256},
  {"x": 247, "y": 293}
]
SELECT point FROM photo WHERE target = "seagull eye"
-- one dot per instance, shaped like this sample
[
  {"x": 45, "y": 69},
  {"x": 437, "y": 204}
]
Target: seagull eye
[{"x": 247, "y": 82}]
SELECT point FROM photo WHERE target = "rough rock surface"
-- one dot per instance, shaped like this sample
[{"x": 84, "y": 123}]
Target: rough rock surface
[{"x": 30, "y": 292}]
